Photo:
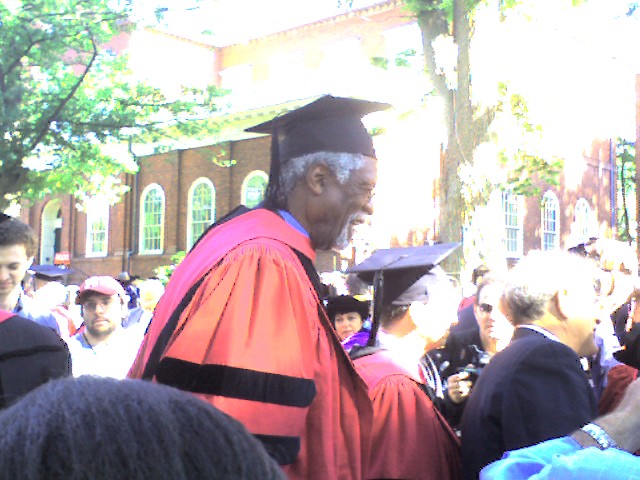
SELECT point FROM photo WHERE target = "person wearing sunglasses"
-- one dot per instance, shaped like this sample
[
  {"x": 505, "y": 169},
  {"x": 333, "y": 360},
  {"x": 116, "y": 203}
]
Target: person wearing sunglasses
[{"x": 468, "y": 351}]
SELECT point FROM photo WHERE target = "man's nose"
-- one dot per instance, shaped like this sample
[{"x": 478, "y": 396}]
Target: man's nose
[
  {"x": 368, "y": 208},
  {"x": 100, "y": 307}
]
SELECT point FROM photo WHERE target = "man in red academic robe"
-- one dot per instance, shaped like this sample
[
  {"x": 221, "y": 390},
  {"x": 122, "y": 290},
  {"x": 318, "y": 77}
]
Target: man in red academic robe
[
  {"x": 241, "y": 323},
  {"x": 417, "y": 305}
]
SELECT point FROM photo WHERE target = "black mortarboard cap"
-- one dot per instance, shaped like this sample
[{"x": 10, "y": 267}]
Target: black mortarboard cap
[
  {"x": 397, "y": 274},
  {"x": 347, "y": 304},
  {"x": 328, "y": 124},
  {"x": 51, "y": 271}
]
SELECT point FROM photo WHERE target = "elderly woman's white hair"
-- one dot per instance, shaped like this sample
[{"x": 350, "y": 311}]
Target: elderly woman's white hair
[{"x": 51, "y": 295}]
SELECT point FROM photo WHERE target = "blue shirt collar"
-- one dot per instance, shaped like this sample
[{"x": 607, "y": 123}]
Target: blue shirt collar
[{"x": 290, "y": 219}]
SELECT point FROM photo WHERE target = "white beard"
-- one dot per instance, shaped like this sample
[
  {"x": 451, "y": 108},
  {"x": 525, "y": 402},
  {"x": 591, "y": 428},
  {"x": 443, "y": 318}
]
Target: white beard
[{"x": 344, "y": 238}]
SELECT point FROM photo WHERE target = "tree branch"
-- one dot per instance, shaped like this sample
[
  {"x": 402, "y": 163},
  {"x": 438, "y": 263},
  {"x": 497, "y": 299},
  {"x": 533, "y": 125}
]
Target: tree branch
[
  {"x": 65, "y": 100},
  {"x": 481, "y": 126}
]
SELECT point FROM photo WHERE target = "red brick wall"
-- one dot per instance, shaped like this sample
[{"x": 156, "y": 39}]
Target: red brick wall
[{"x": 595, "y": 187}]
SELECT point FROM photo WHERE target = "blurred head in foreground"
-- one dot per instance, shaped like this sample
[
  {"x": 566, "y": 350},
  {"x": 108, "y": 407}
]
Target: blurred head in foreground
[{"x": 101, "y": 428}]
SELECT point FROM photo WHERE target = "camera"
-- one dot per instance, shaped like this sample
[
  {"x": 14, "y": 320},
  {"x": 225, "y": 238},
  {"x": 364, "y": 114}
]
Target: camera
[{"x": 479, "y": 361}]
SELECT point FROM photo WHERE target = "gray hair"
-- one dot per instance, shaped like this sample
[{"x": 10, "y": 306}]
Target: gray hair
[
  {"x": 392, "y": 313},
  {"x": 537, "y": 277},
  {"x": 341, "y": 164}
]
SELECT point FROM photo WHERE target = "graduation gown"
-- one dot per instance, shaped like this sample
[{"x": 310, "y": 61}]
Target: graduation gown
[
  {"x": 410, "y": 438},
  {"x": 619, "y": 378},
  {"x": 241, "y": 326}
]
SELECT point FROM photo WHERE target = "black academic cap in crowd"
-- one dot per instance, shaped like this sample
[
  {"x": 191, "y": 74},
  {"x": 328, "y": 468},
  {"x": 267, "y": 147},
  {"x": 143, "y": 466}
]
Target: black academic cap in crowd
[
  {"x": 399, "y": 275},
  {"x": 400, "y": 268},
  {"x": 50, "y": 271},
  {"x": 347, "y": 304},
  {"x": 328, "y": 124}
]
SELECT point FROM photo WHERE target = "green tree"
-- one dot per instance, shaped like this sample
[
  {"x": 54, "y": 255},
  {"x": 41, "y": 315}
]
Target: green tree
[
  {"x": 463, "y": 186},
  {"x": 164, "y": 272},
  {"x": 469, "y": 123},
  {"x": 67, "y": 104},
  {"x": 626, "y": 166}
]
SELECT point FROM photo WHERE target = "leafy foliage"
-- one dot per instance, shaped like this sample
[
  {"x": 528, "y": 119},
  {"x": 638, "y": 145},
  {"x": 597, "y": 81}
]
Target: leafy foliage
[
  {"x": 164, "y": 272},
  {"x": 466, "y": 181},
  {"x": 626, "y": 166},
  {"x": 69, "y": 105}
]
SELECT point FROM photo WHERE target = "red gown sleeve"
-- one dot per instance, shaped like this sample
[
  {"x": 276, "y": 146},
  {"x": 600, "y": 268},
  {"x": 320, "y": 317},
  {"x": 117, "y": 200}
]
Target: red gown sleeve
[
  {"x": 250, "y": 321},
  {"x": 618, "y": 379},
  {"x": 410, "y": 438}
]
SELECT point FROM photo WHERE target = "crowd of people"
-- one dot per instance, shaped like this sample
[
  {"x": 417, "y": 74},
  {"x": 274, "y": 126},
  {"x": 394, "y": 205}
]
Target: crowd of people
[{"x": 244, "y": 367}]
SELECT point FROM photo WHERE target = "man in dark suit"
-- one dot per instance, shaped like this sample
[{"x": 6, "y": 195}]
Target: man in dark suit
[{"x": 536, "y": 389}]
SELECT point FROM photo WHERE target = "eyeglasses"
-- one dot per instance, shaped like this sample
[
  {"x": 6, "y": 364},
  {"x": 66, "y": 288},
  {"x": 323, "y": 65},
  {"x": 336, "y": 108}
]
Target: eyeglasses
[
  {"x": 486, "y": 308},
  {"x": 105, "y": 303}
]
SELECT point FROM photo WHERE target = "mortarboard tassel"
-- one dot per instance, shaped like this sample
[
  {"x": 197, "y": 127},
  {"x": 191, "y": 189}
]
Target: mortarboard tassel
[{"x": 377, "y": 306}]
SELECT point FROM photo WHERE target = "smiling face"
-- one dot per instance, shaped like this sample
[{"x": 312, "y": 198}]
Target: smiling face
[
  {"x": 14, "y": 263},
  {"x": 342, "y": 206}
]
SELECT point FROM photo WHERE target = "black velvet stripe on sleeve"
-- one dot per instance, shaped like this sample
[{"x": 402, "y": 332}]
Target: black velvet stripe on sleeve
[
  {"x": 167, "y": 332},
  {"x": 170, "y": 326},
  {"x": 233, "y": 382},
  {"x": 283, "y": 450}
]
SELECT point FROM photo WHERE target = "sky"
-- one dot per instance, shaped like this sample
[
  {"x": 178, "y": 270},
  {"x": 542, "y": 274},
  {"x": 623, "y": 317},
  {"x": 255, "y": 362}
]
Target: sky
[{"x": 237, "y": 21}]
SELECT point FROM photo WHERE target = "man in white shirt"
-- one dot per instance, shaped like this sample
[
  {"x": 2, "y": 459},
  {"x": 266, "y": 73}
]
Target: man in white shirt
[{"x": 103, "y": 347}]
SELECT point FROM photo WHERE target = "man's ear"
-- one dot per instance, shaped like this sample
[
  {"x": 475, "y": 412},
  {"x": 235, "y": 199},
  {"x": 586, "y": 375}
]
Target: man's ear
[
  {"x": 562, "y": 304},
  {"x": 317, "y": 177}
]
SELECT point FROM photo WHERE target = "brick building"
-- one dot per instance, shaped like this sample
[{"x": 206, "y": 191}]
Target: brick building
[{"x": 175, "y": 195}]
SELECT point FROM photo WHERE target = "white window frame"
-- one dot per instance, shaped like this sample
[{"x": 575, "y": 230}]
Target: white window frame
[
  {"x": 582, "y": 220},
  {"x": 245, "y": 185},
  {"x": 515, "y": 228},
  {"x": 550, "y": 221},
  {"x": 191, "y": 222},
  {"x": 154, "y": 187},
  {"x": 97, "y": 224}
]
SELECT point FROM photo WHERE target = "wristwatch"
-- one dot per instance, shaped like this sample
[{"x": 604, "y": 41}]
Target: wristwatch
[{"x": 601, "y": 437}]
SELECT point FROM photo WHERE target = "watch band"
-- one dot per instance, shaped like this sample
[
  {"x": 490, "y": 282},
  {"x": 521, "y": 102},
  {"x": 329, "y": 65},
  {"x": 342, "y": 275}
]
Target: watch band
[{"x": 601, "y": 437}]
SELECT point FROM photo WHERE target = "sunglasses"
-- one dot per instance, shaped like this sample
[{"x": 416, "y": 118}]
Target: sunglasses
[{"x": 485, "y": 307}]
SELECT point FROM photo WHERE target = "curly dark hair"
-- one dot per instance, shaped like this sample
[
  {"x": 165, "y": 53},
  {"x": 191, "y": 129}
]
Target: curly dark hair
[
  {"x": 15, "y": 232},
  {"x": 101, "y": 428}
]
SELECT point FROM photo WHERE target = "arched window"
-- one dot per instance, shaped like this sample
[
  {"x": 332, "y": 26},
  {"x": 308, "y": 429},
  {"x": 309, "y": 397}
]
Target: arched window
[
  {"x": 550, "y": 221},
  {"x": 152, "y": 219},
  {"x": 201, "y": 209},
  {"x": 97, "y": 227},
  {"x": 254, "y": 188},
  {"x": 512, "y": 211},
  {"x": 582, "y": 220},
  {"x": 50, "y": 231}
]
